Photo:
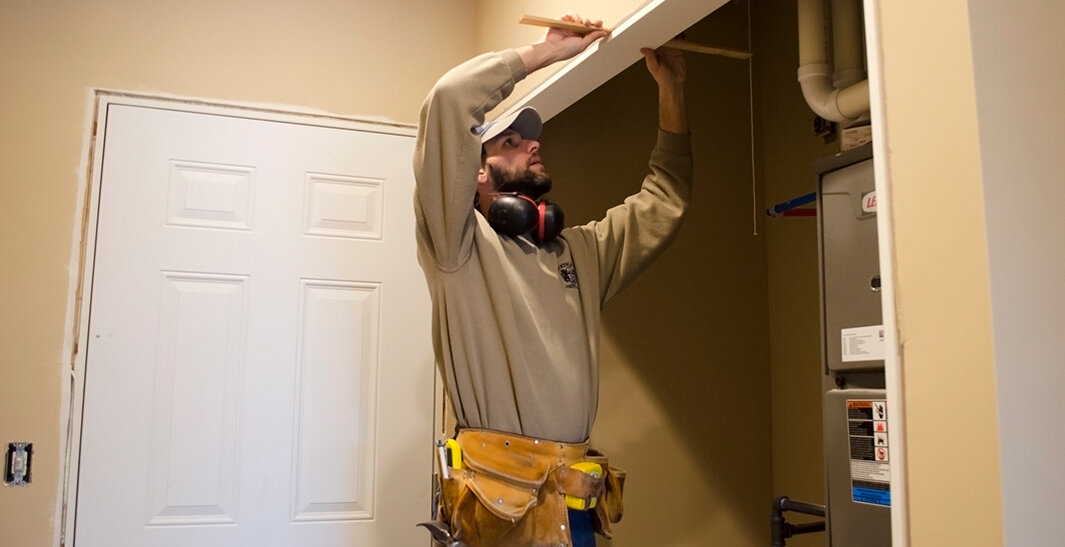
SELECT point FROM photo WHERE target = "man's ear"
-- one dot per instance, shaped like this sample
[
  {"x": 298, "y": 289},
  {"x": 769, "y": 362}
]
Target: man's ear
[
  {"x": 484, "y": 186},
  {"x": 484, "y": 181}
]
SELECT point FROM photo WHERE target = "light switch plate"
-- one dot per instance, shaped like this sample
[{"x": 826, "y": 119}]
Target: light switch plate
[{"x": 17, "y": 464}]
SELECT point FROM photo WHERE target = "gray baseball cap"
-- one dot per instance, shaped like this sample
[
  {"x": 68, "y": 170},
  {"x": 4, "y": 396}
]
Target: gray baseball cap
[{"x": 525, "y": 121}]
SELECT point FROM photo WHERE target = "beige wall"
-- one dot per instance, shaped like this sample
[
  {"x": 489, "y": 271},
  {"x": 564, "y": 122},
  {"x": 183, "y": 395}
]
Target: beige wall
[
  {"x": 497, "y": 19},
  {"x": 373, "y": 59},
  {"x": 787, "y": 147},
  {"x": 941, "y": 273}
]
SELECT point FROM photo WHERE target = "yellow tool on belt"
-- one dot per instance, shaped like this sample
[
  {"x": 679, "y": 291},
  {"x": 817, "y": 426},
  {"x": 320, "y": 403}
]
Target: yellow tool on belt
[
  {"x": 454, "y": 454},
  {"x": 449, "y": 455},
  {"x": 590, "y": 468}
]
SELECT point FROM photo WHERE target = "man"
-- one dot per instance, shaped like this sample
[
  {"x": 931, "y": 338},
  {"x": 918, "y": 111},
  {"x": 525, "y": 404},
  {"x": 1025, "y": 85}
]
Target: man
[{"x": 517, "y": 307}]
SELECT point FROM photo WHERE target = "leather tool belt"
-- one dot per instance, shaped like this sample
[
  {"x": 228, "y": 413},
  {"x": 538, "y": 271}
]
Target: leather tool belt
[{"x": 511, "y": 490}]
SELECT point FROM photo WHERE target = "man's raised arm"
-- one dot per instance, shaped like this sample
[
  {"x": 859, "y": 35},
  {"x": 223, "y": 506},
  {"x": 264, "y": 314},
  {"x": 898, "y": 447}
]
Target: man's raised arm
[{"x": 667, "y": 67}]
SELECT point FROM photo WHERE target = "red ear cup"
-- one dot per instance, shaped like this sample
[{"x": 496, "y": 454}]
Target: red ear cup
[
  {"x": 552, "y": 220},
  {"x": 514, "y": 214},
  {"x": 541, "y": 207}
]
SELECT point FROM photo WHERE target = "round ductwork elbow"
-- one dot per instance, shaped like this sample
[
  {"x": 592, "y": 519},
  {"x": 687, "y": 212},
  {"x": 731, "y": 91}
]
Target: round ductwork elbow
[{"x": 838, "y": 105}]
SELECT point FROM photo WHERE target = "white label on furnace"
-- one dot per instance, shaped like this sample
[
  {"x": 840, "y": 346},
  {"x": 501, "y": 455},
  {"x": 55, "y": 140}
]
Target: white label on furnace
[{"x": 863, "y": 343}]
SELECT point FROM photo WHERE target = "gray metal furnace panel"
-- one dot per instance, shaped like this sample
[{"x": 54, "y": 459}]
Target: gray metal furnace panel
[
  {"x": 857, "y": 466},
  {"x": 850, "y": 269},
  {"x": 856, "y": 457}
]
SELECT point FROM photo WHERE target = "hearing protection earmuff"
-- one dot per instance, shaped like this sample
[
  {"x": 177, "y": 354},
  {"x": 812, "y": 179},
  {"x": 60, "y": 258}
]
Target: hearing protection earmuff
[{"x": 516, "y": 214}]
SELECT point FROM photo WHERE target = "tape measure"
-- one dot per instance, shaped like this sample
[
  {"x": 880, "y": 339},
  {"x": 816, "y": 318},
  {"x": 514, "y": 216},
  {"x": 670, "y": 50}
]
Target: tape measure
[{"x": 590, "y": 468}]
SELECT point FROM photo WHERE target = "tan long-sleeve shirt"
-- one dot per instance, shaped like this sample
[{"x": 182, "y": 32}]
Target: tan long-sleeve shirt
[{"x": 516, "y": 325}]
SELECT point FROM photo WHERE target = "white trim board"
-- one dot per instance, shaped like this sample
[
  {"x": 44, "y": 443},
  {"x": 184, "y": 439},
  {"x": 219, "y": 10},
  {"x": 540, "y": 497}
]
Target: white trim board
[{"x": 651, "y": 25}]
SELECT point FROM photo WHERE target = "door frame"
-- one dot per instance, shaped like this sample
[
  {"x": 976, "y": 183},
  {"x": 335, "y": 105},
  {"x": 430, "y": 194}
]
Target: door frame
[
  {"x": 86, "y": 223},
  {"x": 885, "y": 230}
]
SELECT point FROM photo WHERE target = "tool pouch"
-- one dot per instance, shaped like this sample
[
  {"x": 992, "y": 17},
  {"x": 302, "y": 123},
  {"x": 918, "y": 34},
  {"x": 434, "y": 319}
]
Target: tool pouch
[
  {"x": 611, "y": 503},
  {"x": 511, "y": 490}
]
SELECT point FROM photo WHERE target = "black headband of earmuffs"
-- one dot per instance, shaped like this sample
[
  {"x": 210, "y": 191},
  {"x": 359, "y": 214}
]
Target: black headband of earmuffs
[{"x": 513, "y": 214}]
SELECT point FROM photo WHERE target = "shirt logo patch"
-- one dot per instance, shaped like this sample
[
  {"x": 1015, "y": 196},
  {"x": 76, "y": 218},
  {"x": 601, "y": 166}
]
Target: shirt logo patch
[{"x": 568, "y": 274}]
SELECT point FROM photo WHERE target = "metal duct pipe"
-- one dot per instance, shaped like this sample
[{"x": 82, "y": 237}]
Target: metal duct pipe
[
  {"x": 841, "y": 95},
  {"x": 848, "y": 60}
]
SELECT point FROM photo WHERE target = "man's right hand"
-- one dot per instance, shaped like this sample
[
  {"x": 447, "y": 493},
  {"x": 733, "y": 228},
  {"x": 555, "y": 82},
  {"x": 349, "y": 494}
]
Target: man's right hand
[
  {"x": 559, "y": 45},
  {"x": 668, "y": 68}
]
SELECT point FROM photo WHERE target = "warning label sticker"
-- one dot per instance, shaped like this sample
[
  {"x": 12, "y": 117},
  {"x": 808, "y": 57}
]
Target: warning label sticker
[{"x": 867, "y": 427}]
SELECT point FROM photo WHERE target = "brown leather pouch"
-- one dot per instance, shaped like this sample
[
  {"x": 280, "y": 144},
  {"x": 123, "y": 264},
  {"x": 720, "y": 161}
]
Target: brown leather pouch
[
  {"x": 611, "y": 504},
  {"x": 511, "y": 490}
]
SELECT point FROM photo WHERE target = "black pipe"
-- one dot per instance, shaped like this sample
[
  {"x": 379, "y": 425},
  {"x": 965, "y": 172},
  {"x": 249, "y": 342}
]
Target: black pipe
[
  {"x": 787, "y": 504},
  {"x": 781, "y": 529},
  {"x": 776, "y": 527},
  {"x": 806, "y": 527}
]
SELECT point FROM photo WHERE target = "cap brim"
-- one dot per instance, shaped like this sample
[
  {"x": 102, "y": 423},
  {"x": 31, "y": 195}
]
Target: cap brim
[{"x": 525, "y": 121}]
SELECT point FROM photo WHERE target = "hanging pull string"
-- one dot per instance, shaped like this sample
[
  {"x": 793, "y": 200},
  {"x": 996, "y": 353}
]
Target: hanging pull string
[{"x": 750, "y": 88}]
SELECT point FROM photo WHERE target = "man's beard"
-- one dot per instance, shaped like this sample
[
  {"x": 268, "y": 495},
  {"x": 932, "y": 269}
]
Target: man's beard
[{"x": 526, "y": 183}]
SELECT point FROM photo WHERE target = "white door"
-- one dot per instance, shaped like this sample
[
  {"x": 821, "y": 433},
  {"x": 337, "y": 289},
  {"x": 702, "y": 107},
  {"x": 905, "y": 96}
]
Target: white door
[{"x": 258, "y": 367}]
